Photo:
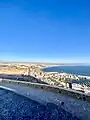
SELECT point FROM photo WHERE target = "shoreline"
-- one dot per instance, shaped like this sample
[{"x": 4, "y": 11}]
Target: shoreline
[
  {"x": 79, "y": 75},
  {"x": 38, "y": 71}
]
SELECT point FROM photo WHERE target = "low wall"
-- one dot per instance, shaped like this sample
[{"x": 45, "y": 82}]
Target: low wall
[{"x": 61, "y": 90}]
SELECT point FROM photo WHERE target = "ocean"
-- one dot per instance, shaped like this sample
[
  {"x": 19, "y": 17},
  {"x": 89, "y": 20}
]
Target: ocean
[{"x": 76, "y": 70}]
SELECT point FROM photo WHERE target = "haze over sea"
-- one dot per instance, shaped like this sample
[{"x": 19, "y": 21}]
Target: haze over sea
[{"x": 77, "y": 70}]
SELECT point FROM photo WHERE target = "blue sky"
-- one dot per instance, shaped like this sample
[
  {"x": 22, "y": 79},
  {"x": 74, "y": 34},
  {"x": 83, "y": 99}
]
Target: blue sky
[{"x": 45, "y": 30}]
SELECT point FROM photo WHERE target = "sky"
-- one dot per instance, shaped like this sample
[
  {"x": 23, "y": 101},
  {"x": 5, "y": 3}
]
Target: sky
[{"x": 45, "y": 30}]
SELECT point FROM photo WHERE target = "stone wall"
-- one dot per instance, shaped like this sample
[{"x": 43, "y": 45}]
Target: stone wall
[{"x": 61, "y": 90}]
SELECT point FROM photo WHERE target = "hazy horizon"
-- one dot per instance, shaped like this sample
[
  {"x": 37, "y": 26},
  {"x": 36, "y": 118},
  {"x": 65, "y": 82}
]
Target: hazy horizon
[{"x": 40, "y": 62}]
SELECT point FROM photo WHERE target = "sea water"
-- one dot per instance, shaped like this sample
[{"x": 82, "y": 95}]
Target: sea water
[{"x": 77, "y": 70}]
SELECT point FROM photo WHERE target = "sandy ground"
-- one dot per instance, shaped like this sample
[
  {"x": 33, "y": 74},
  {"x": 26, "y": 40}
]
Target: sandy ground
[{"x": 12, "y": 70}]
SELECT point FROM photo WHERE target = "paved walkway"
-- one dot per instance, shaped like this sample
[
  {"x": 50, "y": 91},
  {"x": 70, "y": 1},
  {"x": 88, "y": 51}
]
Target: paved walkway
[
  {"x": 78, "y": 108},
  {"x": 16, "y": 107}
]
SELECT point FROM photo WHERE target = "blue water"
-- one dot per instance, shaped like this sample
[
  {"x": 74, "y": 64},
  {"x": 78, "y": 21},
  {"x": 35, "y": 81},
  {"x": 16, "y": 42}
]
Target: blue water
[{"x": 77, "y": 70}]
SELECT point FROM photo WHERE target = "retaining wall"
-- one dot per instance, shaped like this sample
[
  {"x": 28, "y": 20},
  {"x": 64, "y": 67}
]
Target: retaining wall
[{"x": 61, "y": 90}]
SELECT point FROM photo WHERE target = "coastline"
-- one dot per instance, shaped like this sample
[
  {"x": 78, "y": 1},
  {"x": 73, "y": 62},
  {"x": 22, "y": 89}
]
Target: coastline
[
  {"x": 81, "y": 76},
  {"x": 38, "y": 71}
]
